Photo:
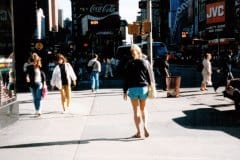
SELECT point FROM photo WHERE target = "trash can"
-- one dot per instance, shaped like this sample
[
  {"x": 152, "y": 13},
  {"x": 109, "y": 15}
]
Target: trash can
[{"x": 173, "y": 86}]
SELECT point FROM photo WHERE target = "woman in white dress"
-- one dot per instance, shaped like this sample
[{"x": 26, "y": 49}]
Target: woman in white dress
[{"x": 206, "y": 72}]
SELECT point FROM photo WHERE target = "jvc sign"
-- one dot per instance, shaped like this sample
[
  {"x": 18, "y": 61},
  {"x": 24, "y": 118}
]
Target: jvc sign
[{"x": 215, "y": 12}]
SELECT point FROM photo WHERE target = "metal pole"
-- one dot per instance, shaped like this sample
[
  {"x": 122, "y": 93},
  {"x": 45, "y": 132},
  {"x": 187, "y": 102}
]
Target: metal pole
[
  {"x": 149, "y": 17},
  {"x": 218, "y": 45}
]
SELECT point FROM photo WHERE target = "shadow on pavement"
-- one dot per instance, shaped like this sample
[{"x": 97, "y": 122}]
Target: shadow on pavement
[
  {"x": 192, "y": 93},
  {"x": 211, "y": 119},
  {"x": 71, "y": 142}
]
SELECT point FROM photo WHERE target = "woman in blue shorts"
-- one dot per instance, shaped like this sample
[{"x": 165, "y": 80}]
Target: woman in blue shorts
[{"x": 137, "y": 79}]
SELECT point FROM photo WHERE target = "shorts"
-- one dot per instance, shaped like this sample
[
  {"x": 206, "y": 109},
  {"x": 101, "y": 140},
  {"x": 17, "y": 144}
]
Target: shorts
[{"x": 138, "y": 93}]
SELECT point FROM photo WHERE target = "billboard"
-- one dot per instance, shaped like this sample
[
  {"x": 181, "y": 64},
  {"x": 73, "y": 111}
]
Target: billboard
[
  {"x": 215, "y": 12},
  {"x": 96, "y": 15},
  {"x": 184, "y": 16},
  {"x": 98, "y": 8}
]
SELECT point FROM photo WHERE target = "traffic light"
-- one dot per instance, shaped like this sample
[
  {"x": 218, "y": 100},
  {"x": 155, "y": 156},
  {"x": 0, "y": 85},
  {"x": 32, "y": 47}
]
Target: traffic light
[
  {"x": 134, "y": 28},
  {"x": 142, "y": 4},
  {"x": 146, "y": 27}
]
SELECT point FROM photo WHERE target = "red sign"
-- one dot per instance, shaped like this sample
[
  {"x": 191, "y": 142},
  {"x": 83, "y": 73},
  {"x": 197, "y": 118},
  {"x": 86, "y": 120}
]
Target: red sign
[{"x": 215, "y": 12}]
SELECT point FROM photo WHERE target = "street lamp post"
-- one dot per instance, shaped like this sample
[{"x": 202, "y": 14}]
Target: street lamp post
[{"x": 149, "y": 17}]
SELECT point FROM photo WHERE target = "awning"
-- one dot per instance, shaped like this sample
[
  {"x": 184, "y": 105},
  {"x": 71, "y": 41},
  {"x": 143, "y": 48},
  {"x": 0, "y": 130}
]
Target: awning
[
  {"x": 104, "y": 33},
  {"x": 220, "y": 41}
]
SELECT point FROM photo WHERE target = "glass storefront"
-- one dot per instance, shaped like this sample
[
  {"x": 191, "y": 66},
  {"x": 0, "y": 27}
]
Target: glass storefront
[
  {"x": 7, "y": 69},
  {"x": 7, "y": 65}
]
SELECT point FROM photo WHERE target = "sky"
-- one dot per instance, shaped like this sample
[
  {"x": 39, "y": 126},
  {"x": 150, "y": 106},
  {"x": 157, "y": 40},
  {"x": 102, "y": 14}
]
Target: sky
[{"x": 127, "y": 8}]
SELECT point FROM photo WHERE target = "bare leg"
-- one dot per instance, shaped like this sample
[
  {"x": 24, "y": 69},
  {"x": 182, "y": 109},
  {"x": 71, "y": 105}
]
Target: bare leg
[
  {"x": 144, "y": 116},
  {"x": 203, "y": 86},
  {"x": 136, "y": 112}
]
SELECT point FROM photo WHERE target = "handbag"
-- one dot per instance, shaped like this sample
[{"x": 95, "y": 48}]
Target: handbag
[
  {"x": 152, "y": 92},
  {"x": 44, "y": 92}
]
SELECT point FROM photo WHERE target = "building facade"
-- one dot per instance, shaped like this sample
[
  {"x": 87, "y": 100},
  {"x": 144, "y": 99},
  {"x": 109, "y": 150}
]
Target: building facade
[
  {"x": 96, "y": 25},
  {"x": 219, "y": 24},
  {"x": 9, "y": 108}
]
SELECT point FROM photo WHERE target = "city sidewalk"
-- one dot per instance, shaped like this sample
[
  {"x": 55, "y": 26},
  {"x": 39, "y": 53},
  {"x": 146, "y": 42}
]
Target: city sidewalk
[{"x": 195, "y": 126}]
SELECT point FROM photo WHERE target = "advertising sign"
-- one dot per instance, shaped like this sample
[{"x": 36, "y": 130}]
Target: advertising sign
[
  {"x": 183, "y": 18},
  {"x": 215, "y": 12},
  {"x": 96, "y": 16},
  {"x": 98, "y": 8}
]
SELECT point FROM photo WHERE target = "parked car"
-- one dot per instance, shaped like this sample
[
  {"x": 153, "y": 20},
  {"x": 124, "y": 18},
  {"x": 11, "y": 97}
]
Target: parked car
[
  {"x": 159, "y": 49},
  {"x": 123, "y": 52},
  {"x": 232, "y": 92}
]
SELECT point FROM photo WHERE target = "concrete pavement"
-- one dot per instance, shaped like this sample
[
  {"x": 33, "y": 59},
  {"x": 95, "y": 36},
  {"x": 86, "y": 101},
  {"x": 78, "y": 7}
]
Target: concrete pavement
[{"x": 195, "y": 126}]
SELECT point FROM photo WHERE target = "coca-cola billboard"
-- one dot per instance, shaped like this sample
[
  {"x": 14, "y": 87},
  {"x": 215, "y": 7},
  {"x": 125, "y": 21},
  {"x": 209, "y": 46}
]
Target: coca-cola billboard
[
  {"x": 98, "y": 8},
  {"x": 95, "y": 16},
  {"x": 101, "y": 10}
]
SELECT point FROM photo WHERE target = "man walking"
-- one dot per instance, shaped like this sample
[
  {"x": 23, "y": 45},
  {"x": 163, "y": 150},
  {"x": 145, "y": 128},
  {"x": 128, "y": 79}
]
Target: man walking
[
  {"x": 225, "y": 70},
  {"x": 94, "y": 75}
]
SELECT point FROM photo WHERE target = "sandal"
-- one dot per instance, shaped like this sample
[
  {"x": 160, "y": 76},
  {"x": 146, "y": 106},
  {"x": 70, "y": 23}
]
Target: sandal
[
  {"x": 137, "y": 135},
  {"x": 146, "y": 133}
]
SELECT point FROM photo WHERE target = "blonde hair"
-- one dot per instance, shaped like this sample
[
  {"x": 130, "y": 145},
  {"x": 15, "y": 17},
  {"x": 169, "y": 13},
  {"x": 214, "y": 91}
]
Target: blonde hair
[
  {"x": 37, "y": 61},
  {"x": 61, "y": 56},
  {"x": 137, "y": 50}
]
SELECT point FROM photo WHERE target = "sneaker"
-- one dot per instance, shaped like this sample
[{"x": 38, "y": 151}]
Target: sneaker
[
  {"x": 65, "y": 111},
  {"x": 38, "y": 113},
  {"x": 215, "y": 88}
]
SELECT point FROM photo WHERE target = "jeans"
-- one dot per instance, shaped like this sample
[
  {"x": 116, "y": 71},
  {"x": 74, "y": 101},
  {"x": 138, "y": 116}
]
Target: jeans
[
  {"x": 94, "y": 77},
  {"x": 36, "y": 90}
]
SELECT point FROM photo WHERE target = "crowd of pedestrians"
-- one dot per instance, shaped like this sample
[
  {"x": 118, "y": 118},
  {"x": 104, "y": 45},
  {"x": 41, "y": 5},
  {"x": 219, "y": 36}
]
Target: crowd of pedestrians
[
  {"x": 223, "y": 66},
  {"x": 137, "y": 78},
  {"x": 139, "y": 75},
  {"x": 63, "y": 73}
]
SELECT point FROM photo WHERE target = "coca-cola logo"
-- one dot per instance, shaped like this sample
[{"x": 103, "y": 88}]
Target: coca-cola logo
[{"x": 103, "y": 9}]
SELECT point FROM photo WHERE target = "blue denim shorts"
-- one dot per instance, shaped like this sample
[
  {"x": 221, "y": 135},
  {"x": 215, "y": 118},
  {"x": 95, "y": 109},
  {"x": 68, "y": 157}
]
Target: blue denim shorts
[{"x": 138, "y": 93}]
